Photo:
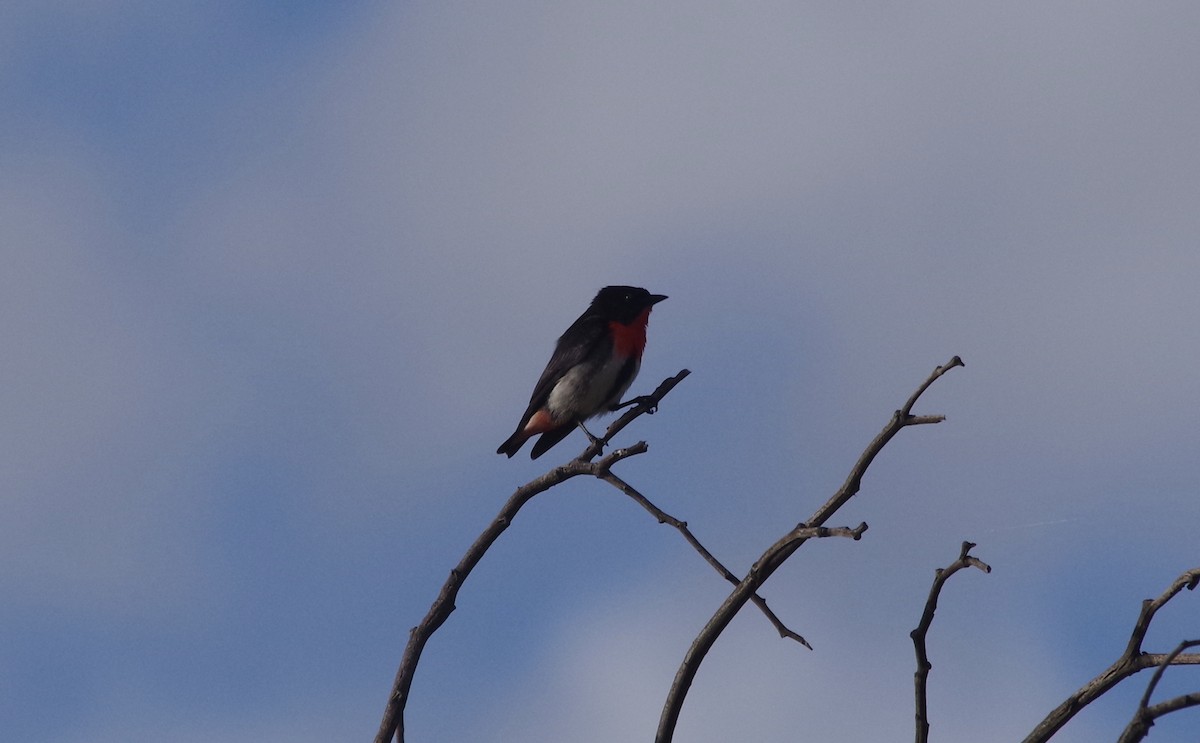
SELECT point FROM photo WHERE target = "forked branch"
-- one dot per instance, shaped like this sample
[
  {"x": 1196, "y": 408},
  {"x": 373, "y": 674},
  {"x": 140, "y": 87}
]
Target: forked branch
[
  {"x": 918, "y": 635},
  {"x": 393, "y": 716},
  {"x": 393, "y": 719},
  {"x": 644, "y": 405},
  {"x": 682, "y": 527},
  {"x": 1132, "y": 660},
  {"x": 1144, "y": 717},
  {"x": 779, "y": 552}
]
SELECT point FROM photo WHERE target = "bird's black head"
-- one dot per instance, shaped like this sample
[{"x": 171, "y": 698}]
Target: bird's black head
[{"x": 624, "y": 303}]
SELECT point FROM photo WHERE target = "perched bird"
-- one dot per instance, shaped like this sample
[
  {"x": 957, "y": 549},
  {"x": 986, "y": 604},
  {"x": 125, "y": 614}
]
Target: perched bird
[{"x": 593, "y": 364}]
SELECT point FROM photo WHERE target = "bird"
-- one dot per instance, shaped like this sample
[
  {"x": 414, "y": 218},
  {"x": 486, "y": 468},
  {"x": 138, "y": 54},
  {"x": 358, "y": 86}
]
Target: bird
[{"x": 592, "y": 366}]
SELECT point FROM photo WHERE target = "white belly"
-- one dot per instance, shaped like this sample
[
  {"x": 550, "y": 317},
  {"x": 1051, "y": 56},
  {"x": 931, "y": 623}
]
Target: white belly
[{"x": 581, "y": 395}]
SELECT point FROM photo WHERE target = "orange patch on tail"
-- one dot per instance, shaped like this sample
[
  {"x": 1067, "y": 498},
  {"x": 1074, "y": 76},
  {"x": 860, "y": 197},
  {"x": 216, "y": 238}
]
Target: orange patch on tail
[{"x": 539, "y": 423}]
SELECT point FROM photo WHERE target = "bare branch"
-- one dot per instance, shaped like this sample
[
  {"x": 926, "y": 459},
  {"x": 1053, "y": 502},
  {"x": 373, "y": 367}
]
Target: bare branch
[
  {"x": 919, "y": 634},
  {"x": 682, "y": 527},
  {"x": 647, "y": 404},
  {"x": 1173, "y": 704},
  {"x": 1131, "y": 661},
  {"x": 937, "y": 373},
  {"x": 1162, "y": 667},
  {"x": 780, "y": 552},
  {"x": 790, "y": 542},
  {"x": 1144, "y": 717},
  {"x": 393, "y": 716},
  {"x": 1188, "y": 580}
]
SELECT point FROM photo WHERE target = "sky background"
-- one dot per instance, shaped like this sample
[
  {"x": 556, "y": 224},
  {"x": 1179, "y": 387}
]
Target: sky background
[{"x": 279, "y": 277}]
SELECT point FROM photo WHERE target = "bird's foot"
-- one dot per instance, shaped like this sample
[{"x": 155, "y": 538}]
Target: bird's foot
[
  {"x": 588, "y": 433},
  {"x": 639, "y": 400}
]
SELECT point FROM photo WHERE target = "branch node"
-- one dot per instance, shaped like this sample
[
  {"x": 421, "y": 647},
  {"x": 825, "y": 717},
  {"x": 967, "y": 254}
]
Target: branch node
[
  {"x": 681, "y": 526},
  {"x": 778, "y": 553},
  {"x": 918, "y": 635},
  {"x": 1131, "y": 660},
  {"x": 392, "y": 725}
]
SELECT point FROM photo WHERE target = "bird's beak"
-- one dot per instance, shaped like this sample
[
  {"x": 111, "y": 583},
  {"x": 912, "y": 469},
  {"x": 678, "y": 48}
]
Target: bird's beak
[{"x": 656, "y": 298}]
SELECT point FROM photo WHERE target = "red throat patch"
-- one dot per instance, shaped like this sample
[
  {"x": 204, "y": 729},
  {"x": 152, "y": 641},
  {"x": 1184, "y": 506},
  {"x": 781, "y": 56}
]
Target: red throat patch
[{"x": 630, "y": 340}]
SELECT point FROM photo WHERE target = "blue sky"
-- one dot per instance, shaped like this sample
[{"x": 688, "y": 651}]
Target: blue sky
[{"x": 279, "y": 278}]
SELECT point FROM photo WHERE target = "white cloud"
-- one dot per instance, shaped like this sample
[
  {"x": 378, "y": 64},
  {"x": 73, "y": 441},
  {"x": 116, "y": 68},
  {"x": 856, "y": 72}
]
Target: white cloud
[
  {"x": 371, "y": 266},
  {"x": 606, "y": 669}
]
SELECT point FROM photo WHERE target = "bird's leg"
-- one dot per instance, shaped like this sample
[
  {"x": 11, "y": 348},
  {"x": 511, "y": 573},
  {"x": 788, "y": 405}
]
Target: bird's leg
[{"x": 588, "y": 433}]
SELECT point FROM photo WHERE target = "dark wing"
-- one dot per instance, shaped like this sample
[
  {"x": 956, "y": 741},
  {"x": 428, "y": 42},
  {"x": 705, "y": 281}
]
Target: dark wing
[{"x": 578, "y": 343}]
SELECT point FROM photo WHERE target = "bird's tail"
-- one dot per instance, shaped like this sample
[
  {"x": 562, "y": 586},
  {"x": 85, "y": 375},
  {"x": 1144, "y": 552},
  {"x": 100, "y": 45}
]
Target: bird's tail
[
  {"x": 514, "y": 443},
  {"x": 549, "y": 439},
  {"x": 544, "y": 442}
]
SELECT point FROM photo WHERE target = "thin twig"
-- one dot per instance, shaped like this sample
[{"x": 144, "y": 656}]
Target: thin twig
[
  {"x": 1145, "y": 715},
  {"x": 918, "y": 635},
  {"x": 682, "y": 527},
  {"x": 644, "y": 405},
  {"x": 1131, "y": 661},
  {"x": 393, "y": 716},
  {"x": 778, "y": 553},
  {"x": 1174, "y": 704}
]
